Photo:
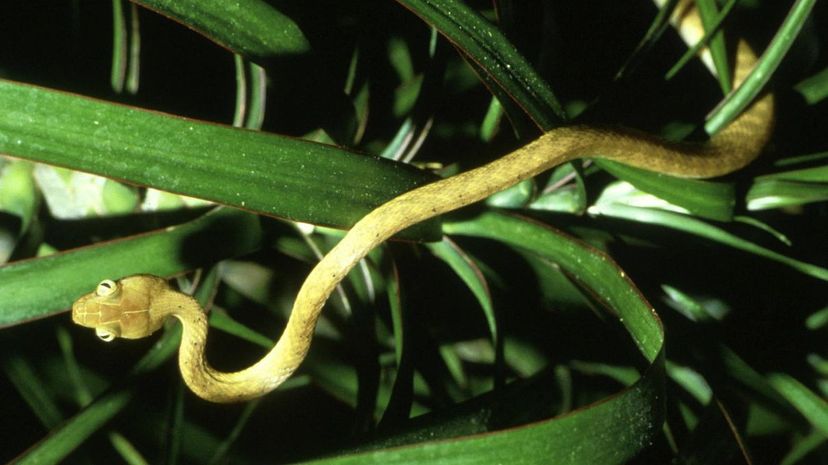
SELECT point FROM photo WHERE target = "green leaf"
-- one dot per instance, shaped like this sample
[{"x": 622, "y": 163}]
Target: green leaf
[
  {"x": 628, "y": 420},
  {"x": 815, "y": 88},
  {"x": 810, "y": 405},
  {"x": 63, "y": 440},
  {"x": 225, "y": 323},
  {"x": 264, "y": 173},
  {"x": 804, "y": 446},
  {"x": 215, "y": 236},
  {"x": 570, "y": 439},
  {"x": 516, "y": 196},
  {"x": 249, "y": 27},
  {"x": 712, "y": 200},
  {"x": 699, "y": 228},
  {"x": 117, "y": 75},
  {"x": 712, "y": 20},
  {"x": 465, "y": 268},
  {"x": 738, "y": 100},
  {"x": 765, "y": 194},
  {"x": 817, "y": 320},
  {"x": 18, "y": 194},
  {"x": 128, "y": 452},
  {"x": 590, "y": 267},
  {"x": 493, "y": 53},
  {"x": 19, "y": 372}
]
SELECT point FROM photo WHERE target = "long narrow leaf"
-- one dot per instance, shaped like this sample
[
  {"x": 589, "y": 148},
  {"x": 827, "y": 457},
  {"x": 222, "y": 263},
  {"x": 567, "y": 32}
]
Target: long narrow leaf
[
  {"x": 486, "y": 45},
  {"x": 213, "y": 237},
  {"x": 250, "y": 27},
  {"x": 265, "y": 173}
]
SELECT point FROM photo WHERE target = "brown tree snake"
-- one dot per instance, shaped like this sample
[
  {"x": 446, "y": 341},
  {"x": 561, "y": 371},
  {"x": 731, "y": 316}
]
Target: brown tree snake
[{"x": 136, "y": 306}]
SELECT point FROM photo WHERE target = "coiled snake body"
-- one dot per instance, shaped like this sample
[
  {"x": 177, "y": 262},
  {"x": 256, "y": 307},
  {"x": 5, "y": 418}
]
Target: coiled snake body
[{"x": 136, "y": 306}]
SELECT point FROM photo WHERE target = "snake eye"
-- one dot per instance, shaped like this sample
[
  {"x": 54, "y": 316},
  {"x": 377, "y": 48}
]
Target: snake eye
[
  {"x": 106, "y": 288},
  {"x": 105, "y": 335}
]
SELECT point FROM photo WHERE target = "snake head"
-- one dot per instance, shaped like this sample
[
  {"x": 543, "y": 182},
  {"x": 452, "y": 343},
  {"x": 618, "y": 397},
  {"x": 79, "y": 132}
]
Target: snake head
[{"x": 120, "y": 308}]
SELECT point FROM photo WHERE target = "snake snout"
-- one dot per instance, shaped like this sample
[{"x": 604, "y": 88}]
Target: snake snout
[{"x": 79, "y": 313}]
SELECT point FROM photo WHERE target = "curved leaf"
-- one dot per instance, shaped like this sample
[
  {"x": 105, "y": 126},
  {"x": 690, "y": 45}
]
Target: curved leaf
[
  {"x": 248, "y": 27},
  {"x": 494, "y": 54},
  {"x": 629, "y": 420}
]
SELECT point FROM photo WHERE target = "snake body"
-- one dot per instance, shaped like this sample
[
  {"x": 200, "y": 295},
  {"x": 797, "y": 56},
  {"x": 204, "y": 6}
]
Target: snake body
[{"x": 136, "y": 306}]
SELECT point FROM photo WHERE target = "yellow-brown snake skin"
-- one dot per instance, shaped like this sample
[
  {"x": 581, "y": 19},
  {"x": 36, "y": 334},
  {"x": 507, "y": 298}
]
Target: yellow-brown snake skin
[{"x": 136, "y": 306}]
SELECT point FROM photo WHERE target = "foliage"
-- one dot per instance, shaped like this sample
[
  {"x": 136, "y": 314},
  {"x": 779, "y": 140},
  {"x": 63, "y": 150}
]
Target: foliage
[{"x": 596, "y": 314}]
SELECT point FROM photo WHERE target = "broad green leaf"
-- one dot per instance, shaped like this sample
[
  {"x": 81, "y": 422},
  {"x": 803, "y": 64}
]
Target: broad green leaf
[
  {"x": 39, "y": 287},
  {"x": 249, "y": 27},
  {"x": 264, "y": 173},
  {"x": 628, "y": 420},
  {"x": 814, "y": 174}
]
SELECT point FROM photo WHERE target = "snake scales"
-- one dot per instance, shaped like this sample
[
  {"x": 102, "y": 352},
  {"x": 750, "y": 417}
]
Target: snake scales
[{"x": 136, "y": 306}]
